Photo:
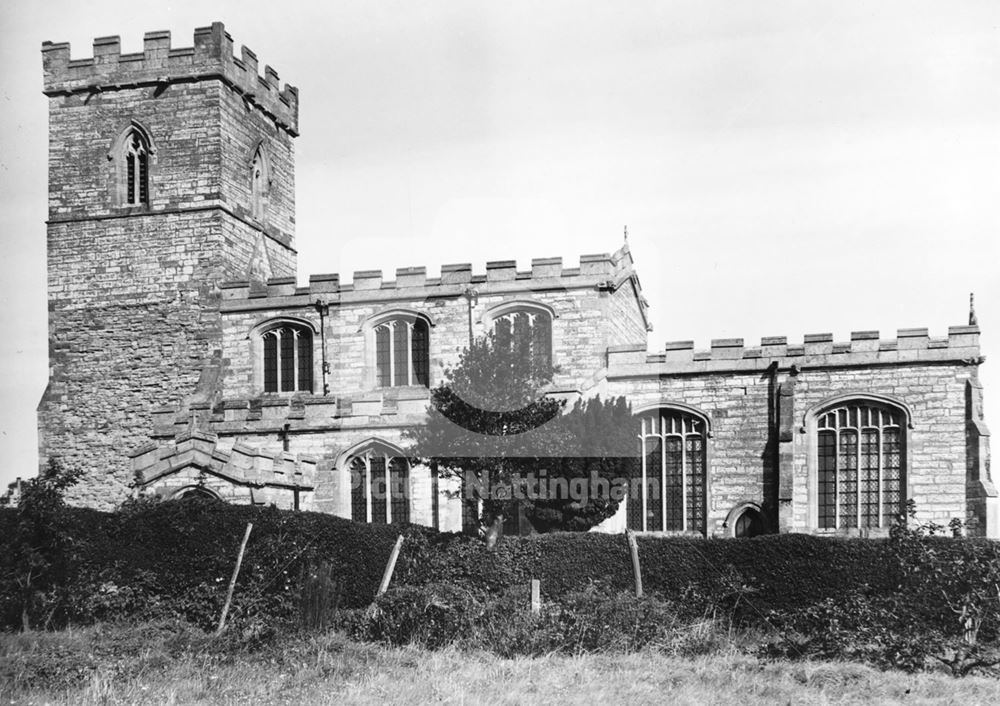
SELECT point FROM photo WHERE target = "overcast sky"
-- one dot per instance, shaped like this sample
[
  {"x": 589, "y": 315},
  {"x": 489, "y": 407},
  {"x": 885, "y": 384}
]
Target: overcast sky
[{"x": 784, "y": 168}]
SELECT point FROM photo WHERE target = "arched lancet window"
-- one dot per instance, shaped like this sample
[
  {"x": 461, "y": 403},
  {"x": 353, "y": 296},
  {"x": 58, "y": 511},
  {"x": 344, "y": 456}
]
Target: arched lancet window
[
  {"x": 260, "y": 183},
  {"x": 860, "y": 462},
  {"x": 136, "y": 170},
  {"x": 288, "y": 358},
  {"x": 380, "y": 486},
  {"x": 669, "y": 495},
  {"x": 526, "y": 329},
  {"x": 402, "y": 351},
  {"x": 131, "y": 159}
]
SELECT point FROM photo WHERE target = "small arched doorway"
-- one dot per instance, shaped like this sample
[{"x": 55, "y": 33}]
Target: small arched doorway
[
  {"x": 199, "y": 492},
  {"x": 749, "y": 523}
]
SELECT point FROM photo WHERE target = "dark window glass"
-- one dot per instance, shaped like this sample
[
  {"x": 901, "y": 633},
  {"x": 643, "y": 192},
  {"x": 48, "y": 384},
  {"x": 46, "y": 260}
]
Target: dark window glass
[
  {"x": 287, "y": 355},
  {"x": 869, "y": 478},
  {"x": 305, "y": 361},
  {"x": 359, "y": 490},
  {"x": 653, "y": 488},
  {"x": 270, "y": 362},
  {"x": 379, "y": 491},
  {"x": 827, "y": 479},
  {"x": 674, "y": 494},
  {"x": 892, "y": 494},
  {"x": 383, "y": 356},
  {"x": 401, "y": 353},
  {"x": 848, "y": 463},
  {"x": 399, "y": 476},
  {"x": 421, "y": 353}
]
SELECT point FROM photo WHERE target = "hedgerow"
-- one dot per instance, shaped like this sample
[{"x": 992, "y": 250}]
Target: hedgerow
[{"x": 893, "y": 602}]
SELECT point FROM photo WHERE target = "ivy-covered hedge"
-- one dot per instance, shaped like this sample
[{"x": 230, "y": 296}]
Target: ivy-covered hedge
[{"x": 175, "y": 559}]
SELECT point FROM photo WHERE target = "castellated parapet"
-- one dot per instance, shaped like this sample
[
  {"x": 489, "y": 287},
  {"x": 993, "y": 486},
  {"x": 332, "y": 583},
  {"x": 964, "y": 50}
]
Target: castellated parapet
[
  {"x": 819, "y": 350},
  {"x": 211, "y": 58},
  {"x": 605, "y": 272}
]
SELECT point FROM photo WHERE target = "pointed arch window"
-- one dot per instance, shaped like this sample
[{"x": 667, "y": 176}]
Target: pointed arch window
[
  {"x": 860, "y": 462},
  {"x": 260, "y": 183},
  {"x": 136, "y": 170},
  {"x": 670, "y": 494},
  {"x": 131, "y": 160},
  {"x": 526, "y": 328},
  {"x": 380, "y": 490},
  {"x": 402, "y": 351},
  {"x": 288, "y": 358}
]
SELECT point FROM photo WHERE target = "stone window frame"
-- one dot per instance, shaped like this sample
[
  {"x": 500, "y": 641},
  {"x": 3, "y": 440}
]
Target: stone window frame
[
  {"x": 118, "y": 168},
  {"x": 529, "y": 306},
  {"x": 259, "y": 201},
  {"x": 256, "y": 340},
  {"x": 707, "y": 451},
  {"x": 366, "y": 451},
  {"x": 809, "y": 428},
  {"x": 394, "y": 317}
]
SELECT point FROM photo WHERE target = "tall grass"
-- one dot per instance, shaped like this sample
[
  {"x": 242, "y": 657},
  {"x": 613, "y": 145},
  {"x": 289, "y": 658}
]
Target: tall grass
[{"x": 174, "y": 664}]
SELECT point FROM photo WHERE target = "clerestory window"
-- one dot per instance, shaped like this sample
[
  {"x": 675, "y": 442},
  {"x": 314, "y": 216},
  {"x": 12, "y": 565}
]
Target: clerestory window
[
  {"x": 527, "y": 331},
  {"x": 402, "y": 351},
  {"x": 288, "y": 358}
]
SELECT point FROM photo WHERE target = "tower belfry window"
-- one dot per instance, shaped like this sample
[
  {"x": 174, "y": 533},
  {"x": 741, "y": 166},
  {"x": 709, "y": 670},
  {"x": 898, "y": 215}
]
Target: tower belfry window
[
  {"x": 136, "y": 170},
  {"x": 260, "y": 183}
]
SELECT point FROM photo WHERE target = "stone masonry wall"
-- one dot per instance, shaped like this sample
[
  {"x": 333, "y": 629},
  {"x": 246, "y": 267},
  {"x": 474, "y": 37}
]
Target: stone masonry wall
[
  {"x": 134, "y": 318},
  {"x": 736, "y": 389}
]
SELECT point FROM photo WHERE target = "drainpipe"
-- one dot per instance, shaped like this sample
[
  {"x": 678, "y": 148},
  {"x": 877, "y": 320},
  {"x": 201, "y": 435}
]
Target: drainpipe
[
  {"x": 473, "y": 297},
  {"x": 324, "y": 310}
]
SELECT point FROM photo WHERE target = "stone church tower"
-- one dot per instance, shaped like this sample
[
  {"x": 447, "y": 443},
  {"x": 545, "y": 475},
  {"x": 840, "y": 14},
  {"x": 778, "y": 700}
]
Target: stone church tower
[{"x": 170, "y": 171}]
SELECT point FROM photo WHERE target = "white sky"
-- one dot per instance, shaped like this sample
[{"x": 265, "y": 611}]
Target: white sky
[{"x": 784, "y": 168}]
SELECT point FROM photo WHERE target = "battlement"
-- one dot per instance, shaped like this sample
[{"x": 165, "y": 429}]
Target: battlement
[
  {"x": 211, "y": 58},
  {"x": 604, "y": 271},
  {"x": 911, "y": 345}
]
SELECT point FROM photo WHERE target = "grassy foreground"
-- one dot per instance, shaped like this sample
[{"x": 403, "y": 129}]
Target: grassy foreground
[{"x": 170, "y": 664}]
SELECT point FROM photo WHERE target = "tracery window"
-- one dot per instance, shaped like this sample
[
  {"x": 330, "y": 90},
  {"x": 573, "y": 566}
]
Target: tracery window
[
  {"x": 402, "y": 352},
  {"x": 379, "y": 486},
  {"x": 526, "y": 330},
  {"x": 288, "y": 358},
  {"x": 136, "y": 171},
  {"x": 860, "y": 458},
  {"x": 669, "y": 495}
]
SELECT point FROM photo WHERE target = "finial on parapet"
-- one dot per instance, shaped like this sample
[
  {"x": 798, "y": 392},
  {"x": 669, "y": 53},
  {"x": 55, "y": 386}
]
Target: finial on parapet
[
  {"x": 973, "y": 321},
  {"x": 626, "y": 234}
]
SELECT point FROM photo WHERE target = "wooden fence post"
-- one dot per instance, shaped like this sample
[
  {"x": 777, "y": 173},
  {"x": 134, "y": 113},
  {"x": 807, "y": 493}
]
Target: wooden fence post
[
  {"x": 536, "y": 596},
  {"x": 232, "y": 581},
  {"x": 390, "y": 567},
  {"x": 634, "y": 548}
]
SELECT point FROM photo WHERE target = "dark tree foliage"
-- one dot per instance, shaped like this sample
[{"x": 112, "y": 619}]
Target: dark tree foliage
[
  {"x": 41, "y": 550},
  {"x": 491, "y": 424}
]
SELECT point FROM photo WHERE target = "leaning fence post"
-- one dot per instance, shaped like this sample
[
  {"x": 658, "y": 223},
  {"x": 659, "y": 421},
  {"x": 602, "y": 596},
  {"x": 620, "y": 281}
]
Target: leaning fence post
[
  {"x": 390, "y": 567},
  {"x": 232, "y": 581},
  {"x": 634, "y": 548},
  {"x": 536, "y": 596}
]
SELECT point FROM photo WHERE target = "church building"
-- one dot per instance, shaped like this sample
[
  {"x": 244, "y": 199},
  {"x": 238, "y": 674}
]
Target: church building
[{"x": 185, "y": 358}]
